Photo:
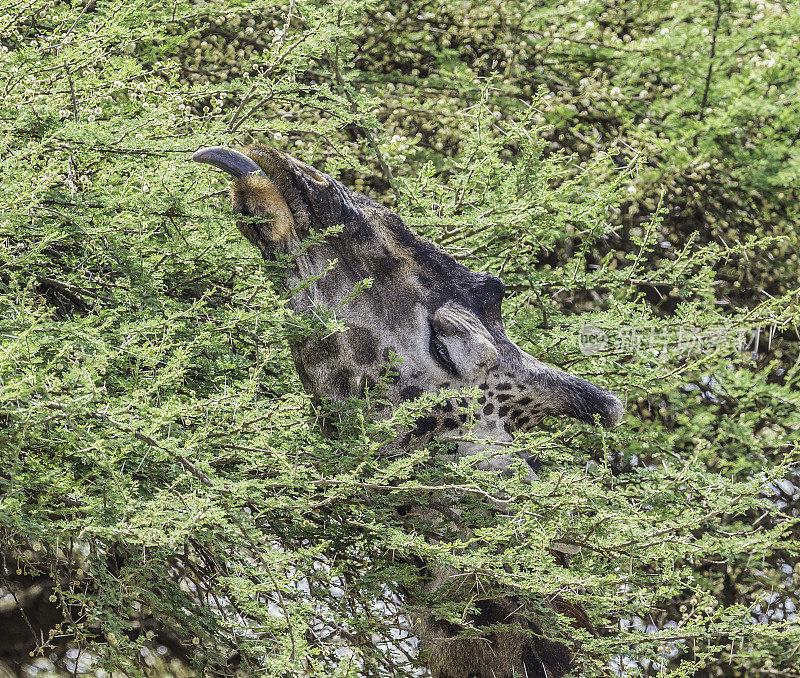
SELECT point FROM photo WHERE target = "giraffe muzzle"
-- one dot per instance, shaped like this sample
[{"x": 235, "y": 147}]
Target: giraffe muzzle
[{"x": 569, "y": 395}]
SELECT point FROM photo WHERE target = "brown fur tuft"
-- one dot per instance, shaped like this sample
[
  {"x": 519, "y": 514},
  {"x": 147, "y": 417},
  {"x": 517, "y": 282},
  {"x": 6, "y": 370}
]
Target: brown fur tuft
[
  {"x": 258, "y": 196},
  {"x": 516, "y": 648}
]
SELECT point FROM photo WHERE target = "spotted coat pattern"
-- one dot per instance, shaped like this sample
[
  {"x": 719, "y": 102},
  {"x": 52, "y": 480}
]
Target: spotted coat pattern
[{"x": 442, "y": 320}]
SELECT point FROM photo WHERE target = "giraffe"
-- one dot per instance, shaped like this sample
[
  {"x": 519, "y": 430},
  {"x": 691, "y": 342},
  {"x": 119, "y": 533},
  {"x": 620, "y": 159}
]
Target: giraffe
[{"x": 444, "y": 322}]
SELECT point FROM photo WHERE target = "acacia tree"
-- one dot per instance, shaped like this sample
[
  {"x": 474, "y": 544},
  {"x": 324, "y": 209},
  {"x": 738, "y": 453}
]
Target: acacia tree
[{"x": 168, "y": 499}]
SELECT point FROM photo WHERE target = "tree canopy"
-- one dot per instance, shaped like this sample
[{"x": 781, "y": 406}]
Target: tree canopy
[{"x": 168, "y": 501}]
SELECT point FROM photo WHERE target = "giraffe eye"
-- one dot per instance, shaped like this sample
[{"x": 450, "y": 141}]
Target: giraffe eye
[{"x": 441, "y": 354}]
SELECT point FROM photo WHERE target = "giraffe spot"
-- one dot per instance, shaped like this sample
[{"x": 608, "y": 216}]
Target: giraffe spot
[
  {"x": 305, "y": 380},
  {"x": 386, "y": 263},
  {"x": 363, "y": 344},
  {"x": 340, "y": 382},
  {"x": 411, "y": 392},
  {"x": 488, "y": 409},
  {"x": 425, "y": 425},
  {"x": 369, "y": 383},
  {"x": 359, "y": 229},
  {"x": 449, "y": 424},
  {"x": 319, "y": 351},
  {"x": 490, "y": 613},
  {"x": 535, "y": 463},
  {"x": 409, "y": 294}
]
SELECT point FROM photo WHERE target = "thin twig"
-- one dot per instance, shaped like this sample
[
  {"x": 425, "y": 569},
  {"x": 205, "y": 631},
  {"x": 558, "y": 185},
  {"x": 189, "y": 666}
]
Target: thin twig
[
  {"x": 72, "y": 94},
  {"x": 387, "y": 172},
  {"x": 10, "y": 589},
  {"x": 711, "y": 61},
  {"x": 189, "y": 466},
  {"x": 238, "y": 110}
]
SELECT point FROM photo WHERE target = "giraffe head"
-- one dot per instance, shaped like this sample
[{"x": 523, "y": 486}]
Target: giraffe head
[{"x": 441, "y": 321}]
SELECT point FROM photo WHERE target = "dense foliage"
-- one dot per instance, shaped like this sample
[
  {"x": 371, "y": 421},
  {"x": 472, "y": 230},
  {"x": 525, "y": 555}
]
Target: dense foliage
[{"x": 167, "y": 500}]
